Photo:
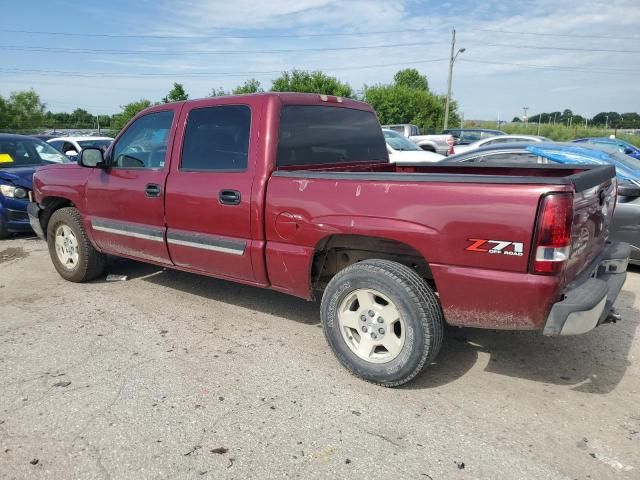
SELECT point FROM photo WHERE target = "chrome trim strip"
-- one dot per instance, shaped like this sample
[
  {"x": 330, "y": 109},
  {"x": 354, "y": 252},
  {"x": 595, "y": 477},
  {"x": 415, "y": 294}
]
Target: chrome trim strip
[
  {"x": 203, "y": 246},
  {"x": 207, "y": 242},
  {"x": 135, "y": 231}
]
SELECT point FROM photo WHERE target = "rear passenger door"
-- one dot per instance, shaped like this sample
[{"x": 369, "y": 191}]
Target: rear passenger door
[{"x": 208, "y": 193}]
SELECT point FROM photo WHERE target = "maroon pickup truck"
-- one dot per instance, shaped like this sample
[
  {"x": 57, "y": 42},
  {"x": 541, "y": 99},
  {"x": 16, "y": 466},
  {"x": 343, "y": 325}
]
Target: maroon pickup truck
[{"x": 294, "y": 192}]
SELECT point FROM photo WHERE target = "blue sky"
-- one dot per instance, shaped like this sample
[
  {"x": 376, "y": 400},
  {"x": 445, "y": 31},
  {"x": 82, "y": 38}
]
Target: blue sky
[{"x": 545, "y": 55}]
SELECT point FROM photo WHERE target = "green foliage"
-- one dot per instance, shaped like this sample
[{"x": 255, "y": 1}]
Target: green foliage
[
  {"x": 563, "y": 133},
  {"x": 411, "y": 78},
  {"x": 516, "y": 120},
  {"x": 218, "y": 93},
  {"x": 129, "y": 111},
  {"x": 249, "y": 86},
  {"x": 311, "y": 82},
  {"x": 176, "y": 94},
  {"x": 408, "y": 100},
  {"x": 21, "y": 110}
]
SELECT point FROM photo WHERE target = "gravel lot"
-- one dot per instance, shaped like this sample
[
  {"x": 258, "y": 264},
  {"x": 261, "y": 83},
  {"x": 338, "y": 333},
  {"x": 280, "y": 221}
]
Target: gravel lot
[{"x": 171, "y": 375}]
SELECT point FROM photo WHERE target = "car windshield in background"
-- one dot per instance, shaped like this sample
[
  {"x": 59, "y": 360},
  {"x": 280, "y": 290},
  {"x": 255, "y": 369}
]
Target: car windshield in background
[
  {"x": 102, "y": 144},
  {"x": 28, "y": 153},
  {"x": 399, "y": 142},
  {"x": 614, "y": 151},
  {"x": 315, "y": 135}
]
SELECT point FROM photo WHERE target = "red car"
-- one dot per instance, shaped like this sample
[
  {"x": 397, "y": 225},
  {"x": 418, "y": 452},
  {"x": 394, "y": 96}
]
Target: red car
[{"x": 294, "y": 192}]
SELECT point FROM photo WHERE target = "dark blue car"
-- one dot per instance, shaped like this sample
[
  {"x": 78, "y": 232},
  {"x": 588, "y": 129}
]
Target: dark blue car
[
  {"x": 19, "y": 157},
  {"x": 620, "y": 145}
]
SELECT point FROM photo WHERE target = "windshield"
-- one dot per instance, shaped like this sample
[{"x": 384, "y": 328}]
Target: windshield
[
  {"x": 399, "y": 142},
  {"x": 102, "y": 144},
  {"x": 28, "y": 152}
]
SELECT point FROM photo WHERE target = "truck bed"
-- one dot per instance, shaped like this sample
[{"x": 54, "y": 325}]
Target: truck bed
[{"x": 581, "y": 178}]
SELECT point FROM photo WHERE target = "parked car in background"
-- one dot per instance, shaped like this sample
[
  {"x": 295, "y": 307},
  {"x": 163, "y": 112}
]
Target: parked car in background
[
  {"x": 465, "y": 136},
  {"x": 295, "y": 192},
  {"x": 72, "y": 146},
  {"x": 19, "y": 157},
  {"x": 440, "y": 144},
  {"x": 44, "y": 137},
  {"x": 499, "y": 139},
  {"x": 624, "y": 147},
  {"x": 401, "y": 149},
  {"x": 625, "y": 226}
]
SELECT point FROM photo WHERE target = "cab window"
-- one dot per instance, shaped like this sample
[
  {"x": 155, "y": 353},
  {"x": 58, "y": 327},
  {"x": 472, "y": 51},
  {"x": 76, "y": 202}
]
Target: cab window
[{"x": 144, "y": 143}]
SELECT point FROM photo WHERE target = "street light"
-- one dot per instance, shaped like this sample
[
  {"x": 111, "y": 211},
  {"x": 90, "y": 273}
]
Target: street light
[{"x": 451, "y": 62}]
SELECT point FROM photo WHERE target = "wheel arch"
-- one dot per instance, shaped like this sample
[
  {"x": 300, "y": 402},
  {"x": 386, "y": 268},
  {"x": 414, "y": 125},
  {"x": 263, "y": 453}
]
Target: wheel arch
[
  {"x": 335, "y": 252},
  {"x": 49, "y": 205}
]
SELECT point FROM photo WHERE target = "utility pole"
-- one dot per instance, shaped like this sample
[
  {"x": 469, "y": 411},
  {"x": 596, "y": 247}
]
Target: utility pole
[
  {"x": 606, "y": 122},
  {"x": 539, "y": 120},
  {"x": 452, "y": 59},
  {"x": 525, "y": 119}
]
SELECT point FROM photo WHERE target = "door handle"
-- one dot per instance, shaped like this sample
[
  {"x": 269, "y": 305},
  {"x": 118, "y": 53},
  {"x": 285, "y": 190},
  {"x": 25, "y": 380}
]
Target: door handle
[
  {"x": 229, "y": 197},
  {"x": 152, "y": 190}
]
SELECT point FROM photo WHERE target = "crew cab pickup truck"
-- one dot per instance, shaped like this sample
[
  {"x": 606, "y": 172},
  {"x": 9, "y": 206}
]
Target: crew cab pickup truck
[{"x": 294, "y": 192}]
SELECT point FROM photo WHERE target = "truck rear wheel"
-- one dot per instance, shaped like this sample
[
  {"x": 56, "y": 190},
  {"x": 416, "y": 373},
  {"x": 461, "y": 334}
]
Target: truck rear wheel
[
  {"x": 382, "y": 321},
  {"x": 72, "y": 253}
]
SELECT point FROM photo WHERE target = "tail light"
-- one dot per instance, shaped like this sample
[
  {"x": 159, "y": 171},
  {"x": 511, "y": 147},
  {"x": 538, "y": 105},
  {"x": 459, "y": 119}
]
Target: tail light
[{"x": 552, "y": 245}]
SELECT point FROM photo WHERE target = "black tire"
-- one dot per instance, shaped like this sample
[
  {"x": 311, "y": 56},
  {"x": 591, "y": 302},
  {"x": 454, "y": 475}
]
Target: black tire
[
  {"x": 4, "y": 232},
  {"x": 90, "y": 262},
  {"x": 417, "y": 305}
]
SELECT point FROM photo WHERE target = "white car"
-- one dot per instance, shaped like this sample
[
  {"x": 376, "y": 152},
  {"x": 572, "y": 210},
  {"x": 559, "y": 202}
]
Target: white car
[
  {"x": 403, "y": 150},
  {"x": 73, "y": 146},
  {"x": 485, "y": 142}
]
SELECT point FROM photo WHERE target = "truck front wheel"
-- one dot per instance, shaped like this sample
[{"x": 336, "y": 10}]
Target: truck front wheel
[
  {"x": 382, "y": 321},
  {"x": 72, "y": 253}
]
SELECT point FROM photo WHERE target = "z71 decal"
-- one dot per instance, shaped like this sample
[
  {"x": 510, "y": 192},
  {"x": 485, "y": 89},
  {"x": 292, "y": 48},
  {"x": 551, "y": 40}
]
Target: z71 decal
[{"x": 515, "y": 249}]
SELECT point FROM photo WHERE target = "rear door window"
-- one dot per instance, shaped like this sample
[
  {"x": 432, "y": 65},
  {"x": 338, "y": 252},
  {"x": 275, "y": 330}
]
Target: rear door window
[
  {"x": 217, "y": 139},
  {"x": 319, "y": 135}
]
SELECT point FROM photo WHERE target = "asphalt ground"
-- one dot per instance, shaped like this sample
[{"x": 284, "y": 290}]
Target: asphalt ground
[{"x": 171, "y": 375}]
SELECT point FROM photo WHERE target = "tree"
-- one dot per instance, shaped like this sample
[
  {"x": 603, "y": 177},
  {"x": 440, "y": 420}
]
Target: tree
[
  {"x": 408, "y": 100},
  {"x": 129, "y": 111},
  {"x": 311, "y": 82},
  {"x": 411, "y": 78},
  {"x": 218, "y": 93},
  {"x": 176, "y": 94},
  {"x": 516, "y": 120},
  {"x": 24, "y": 110},
  {"x": 249, "y": 86}
]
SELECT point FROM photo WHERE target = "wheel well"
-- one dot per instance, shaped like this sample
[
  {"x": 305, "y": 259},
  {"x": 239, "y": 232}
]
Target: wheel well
[
  {"x": 428, "y": 148},
  {"x": 50, "y": 205},
  {"x": 339, "y": 251}
]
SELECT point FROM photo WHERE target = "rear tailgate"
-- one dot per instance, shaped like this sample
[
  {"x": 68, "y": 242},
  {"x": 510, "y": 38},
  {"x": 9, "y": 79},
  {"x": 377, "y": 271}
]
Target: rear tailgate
[{"x": 593, "y": 205}]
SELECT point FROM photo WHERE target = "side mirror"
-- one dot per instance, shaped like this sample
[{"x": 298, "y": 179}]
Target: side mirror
[
  {"x": 91, "y": 158},
  {"x": 626, "y": 189},
  {"x": 627, "y": 150}
]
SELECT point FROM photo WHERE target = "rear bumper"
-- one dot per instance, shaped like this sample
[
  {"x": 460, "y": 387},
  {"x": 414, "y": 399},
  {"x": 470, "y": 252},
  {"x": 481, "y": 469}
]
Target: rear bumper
[
  {"x": 33, "y": 210},
  {"x": 587, "y": 302}
]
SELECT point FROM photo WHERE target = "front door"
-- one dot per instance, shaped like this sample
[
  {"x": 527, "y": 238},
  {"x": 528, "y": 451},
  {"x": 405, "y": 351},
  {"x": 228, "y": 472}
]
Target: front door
[
  {"x": 125, "y": 202},
  {"x": 208, "y": 204}
]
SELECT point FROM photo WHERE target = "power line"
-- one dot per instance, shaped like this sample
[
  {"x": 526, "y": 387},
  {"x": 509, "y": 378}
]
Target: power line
[
  {"x": 205, "y": 52},
  {"x": 201, "y": 74},
  {"x": 303, "y": 35},
  {"x": 569, "y": 49},
  {"x": 548, "y": 34},
  {"x": 177, "y": 37},
  {"x": 93, "y": 51},
  {"x": 557, "y": 67}
]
